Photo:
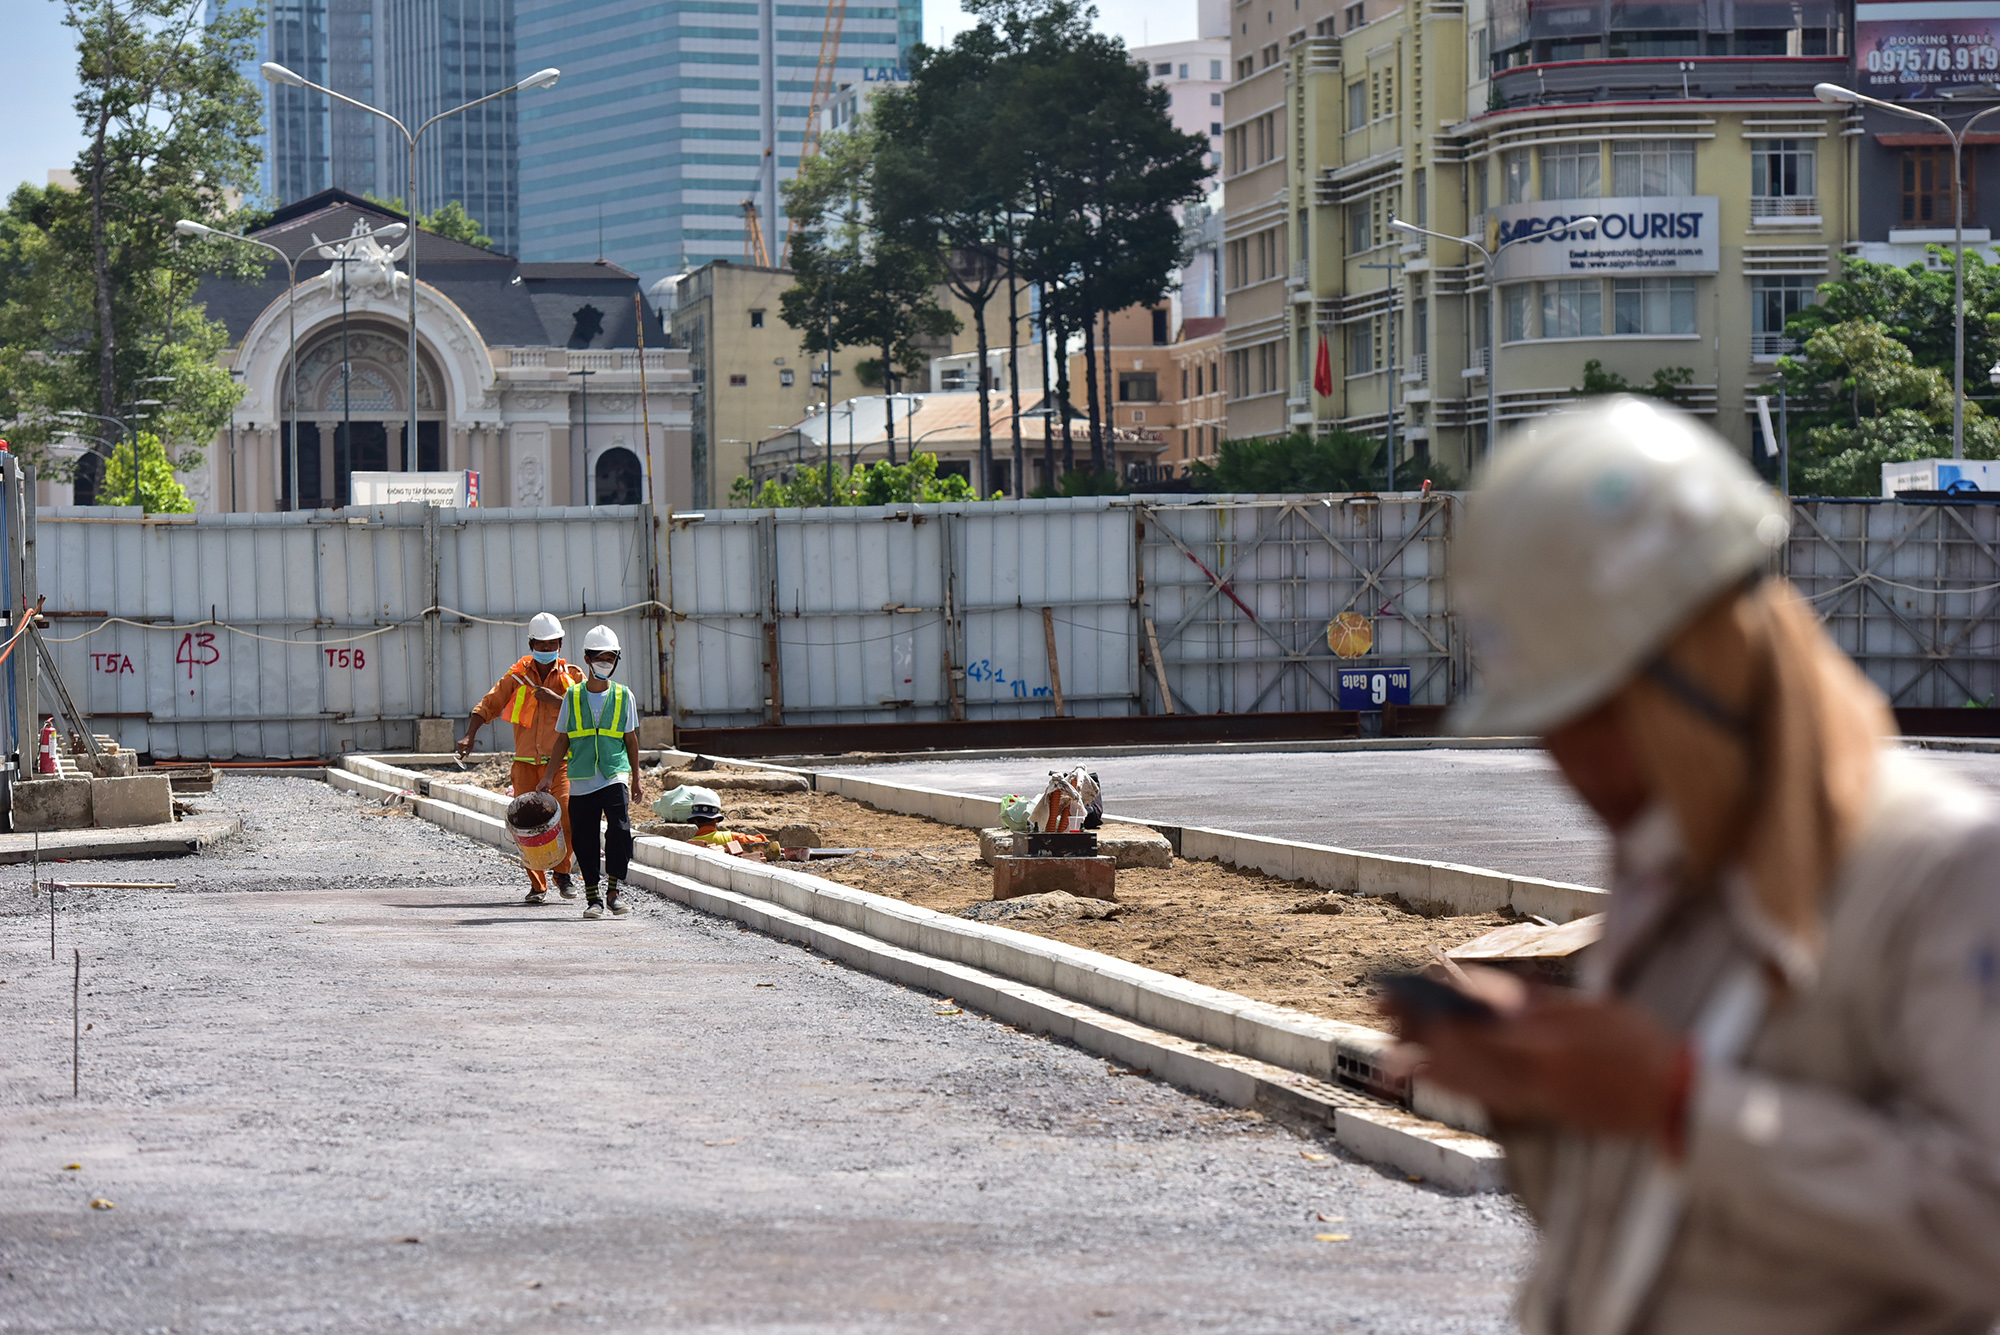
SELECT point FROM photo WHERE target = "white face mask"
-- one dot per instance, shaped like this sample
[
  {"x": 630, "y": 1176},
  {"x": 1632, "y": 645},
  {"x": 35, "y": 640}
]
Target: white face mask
[{"x": 602, "y": 670}]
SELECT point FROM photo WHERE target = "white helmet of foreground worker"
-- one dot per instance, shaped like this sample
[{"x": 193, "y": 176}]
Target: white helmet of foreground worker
[
  {"x": 1596, "y": 534},
  {"x": 544, "y": 626},
  {"x": 601, "y": 640}
]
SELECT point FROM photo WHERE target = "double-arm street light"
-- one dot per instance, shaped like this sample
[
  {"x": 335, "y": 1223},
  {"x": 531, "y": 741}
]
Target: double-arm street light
[
  {"x": 189, "y": 227},
  {"x": 1493, "y": 301},
  {"x": 1834, "y": 96},
  {"x": 278, "y": 74},
  {"x": 125, "y": 432}
]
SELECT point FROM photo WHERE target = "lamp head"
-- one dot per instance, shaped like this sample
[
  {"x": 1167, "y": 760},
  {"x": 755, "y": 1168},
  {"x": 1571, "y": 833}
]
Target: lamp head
[
  {"x": 276, "y": 73},
  {"x": 189, "y": 227},
  {"x": 1834, "y": 95},
  {"x": 539, "y": 79},
  {"x": 1588, "y": 220},
  {"x": 390, "y": 232},
  {"x": 1401, "y": 226}
]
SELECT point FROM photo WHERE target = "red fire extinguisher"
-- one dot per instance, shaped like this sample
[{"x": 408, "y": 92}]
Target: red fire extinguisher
[{"x": 45, "y": 758}]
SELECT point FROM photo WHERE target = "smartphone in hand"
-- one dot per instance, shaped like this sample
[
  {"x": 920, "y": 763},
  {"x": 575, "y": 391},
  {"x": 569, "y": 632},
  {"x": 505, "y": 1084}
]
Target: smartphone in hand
[{"x": 1424, "y": 1000}]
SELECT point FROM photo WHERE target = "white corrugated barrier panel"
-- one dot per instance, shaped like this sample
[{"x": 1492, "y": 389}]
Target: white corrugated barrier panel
[{"x": 308, "y": 634}]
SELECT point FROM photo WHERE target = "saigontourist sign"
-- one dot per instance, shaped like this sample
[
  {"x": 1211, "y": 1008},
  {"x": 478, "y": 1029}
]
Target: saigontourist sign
[
  {"x": 1641, "y": 234},
  {"x": 1911, "y": 50}
]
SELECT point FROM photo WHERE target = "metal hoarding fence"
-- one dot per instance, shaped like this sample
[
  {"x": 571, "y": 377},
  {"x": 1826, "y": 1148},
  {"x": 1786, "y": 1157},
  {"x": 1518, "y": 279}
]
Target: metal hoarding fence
[{"x": 307, "y": 634}]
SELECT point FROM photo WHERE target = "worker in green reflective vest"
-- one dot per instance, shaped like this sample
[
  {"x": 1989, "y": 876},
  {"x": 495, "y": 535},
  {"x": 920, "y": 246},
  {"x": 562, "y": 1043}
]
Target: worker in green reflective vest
[{"x": 597, "y": 746}]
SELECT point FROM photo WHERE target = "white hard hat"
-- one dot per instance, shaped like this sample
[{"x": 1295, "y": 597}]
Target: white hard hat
[
  {"x": 1596, "y": 534},
  {"x": 601, "y": 640},
  {"x": 544, "y": 626}
]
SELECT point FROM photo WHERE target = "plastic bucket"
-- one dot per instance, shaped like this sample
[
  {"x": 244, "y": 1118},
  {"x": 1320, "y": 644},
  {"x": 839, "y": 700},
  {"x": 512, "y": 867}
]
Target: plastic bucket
[{"x": 535, "y": 822}]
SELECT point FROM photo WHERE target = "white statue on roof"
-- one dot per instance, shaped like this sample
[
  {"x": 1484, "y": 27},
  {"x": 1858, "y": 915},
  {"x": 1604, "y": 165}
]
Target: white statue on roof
[{"x": 361, "y": 263}]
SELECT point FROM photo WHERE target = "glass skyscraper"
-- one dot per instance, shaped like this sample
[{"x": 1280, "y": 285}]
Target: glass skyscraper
[{"x": 656, "y": 133}]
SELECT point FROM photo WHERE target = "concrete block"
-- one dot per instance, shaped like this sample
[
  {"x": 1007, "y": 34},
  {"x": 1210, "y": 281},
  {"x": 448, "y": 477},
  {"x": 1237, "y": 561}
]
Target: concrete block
[
  {"x": 117, "y": 764},
  {"x": 1134, "y": 846},
  {"x": 1455, "y": 1160},
  {"x": 999, "y": 841},
  {"x": 145, "y": 799},
  {"x": 1554, "y": 900},
  {"x": 1088, "y": 878},
  {"x": 436, "y": 735},
  {"x": 656, "y": 732},
  {"x": 54, "y": 804}
]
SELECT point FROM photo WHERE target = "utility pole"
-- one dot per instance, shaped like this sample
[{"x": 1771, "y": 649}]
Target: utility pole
[
  {"x": 1391, "y": 291},
  {"x": 584, "y": 378}
]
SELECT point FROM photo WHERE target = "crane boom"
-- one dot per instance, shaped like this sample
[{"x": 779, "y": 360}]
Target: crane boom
[{"x": 822, "y": 94}]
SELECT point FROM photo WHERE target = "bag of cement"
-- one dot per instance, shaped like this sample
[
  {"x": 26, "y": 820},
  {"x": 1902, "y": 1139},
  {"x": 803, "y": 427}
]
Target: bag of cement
[
  {"x": 1017, "y": 813},
  {"x": 674, "y": 805}
]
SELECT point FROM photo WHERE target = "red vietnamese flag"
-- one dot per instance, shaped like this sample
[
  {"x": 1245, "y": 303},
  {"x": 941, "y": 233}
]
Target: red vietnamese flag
[{"x": 1323, "y": 370}]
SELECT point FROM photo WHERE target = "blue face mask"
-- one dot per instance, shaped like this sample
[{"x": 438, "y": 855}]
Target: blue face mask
[{"x": 545, "y": 655}]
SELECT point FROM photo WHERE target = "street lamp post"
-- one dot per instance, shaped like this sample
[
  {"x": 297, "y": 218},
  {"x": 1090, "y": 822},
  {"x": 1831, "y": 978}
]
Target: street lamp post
[
  {"x": 125, "y": 432},
  {"x": 278, "y": 74},
  {"x": 343, "y": 255},
  {"x": 1492, "y": 302},
  {"x": 1834, "y": 95},
  {"x": 189, "y": 227}
]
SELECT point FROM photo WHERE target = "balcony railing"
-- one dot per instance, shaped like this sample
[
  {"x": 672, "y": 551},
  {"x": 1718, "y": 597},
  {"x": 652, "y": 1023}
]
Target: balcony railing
[
  {"x": 1770, "y": 347},
  {"x": 1640, "y": 79},
  {"x": 1301, "y": 393},
  {"x": 1417, "y": 369},
  {"x": 1475, "y": 368},
  {"x": 1784, "y": 206}
]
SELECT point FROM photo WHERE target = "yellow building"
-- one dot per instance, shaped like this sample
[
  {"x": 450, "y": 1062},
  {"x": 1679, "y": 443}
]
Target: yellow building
[
  {"x": 1722, "y": 191},
  {"x": 751, "y": 372}
]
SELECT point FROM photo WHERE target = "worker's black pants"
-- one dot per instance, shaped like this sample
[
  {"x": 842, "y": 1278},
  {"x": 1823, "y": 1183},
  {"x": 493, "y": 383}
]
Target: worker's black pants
[{"x": 613, "y": 805}]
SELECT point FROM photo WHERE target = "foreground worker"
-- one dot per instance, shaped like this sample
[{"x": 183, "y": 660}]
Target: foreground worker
[
  {"x": 528, "y": 698},
  {"x": 1774, "y": 1106},
  {"x": 597, "y": 748}
]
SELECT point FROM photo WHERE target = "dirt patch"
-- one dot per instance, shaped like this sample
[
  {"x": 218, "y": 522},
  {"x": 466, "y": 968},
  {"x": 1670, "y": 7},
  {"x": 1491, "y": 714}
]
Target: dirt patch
[{"x": 1210, "y": 924}]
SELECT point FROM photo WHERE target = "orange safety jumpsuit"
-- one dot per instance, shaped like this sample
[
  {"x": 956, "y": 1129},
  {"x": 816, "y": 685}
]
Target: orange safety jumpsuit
[{"x": 513, "y": 700}]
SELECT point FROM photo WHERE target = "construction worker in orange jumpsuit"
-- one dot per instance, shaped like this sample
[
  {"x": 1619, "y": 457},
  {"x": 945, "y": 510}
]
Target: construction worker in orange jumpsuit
[{"x": 528, "y": 698}]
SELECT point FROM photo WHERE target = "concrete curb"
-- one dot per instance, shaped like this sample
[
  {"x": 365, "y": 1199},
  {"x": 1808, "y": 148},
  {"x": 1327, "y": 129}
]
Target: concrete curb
[
  {"x": 1208, "y": 1021},
  {"x": 1172, "y": 749},
  {"x": 177, "y": 839}
]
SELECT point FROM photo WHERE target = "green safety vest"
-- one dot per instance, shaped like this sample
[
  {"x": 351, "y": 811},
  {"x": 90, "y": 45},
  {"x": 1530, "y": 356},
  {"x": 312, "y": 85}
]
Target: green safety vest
[{"x": 599, "y": 750}]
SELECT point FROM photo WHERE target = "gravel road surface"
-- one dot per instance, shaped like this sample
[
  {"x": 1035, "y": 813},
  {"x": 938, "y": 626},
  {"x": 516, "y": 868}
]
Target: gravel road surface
[
  {"x": 339, "y": 1079},
  {"x": 1503, "y": 809}
]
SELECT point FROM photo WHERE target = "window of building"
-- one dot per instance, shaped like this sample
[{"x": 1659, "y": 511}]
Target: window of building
[
  {"x": 1357, "y": 104},
  {"x": 1270, "y": 55},
  {"x": 1781, "y": 179},
  {"x": 1420, "y": 198},
  {"x": 1480, "y": 201},
  {"x": 756, "y": 319},
  {"x": 1139, "y": 386},
  {"x": 739, "y": 379},
  {"x": 1652, "y": 305},
  {"x": 1573, "y": 308},
  {"x": 1215, "y": 129},
  {"x": 1514, "y": 170},
  {"x": 1292, "y": 39},
  {"x": 1774, "y": 300},
  {"x": 1184, "y": 383},
  {"x": 1652, "y": 167},
  {"x": 785, "y": 378},
  {"x": 1927, "y": 188},
  {"x": 1572, "y": 171},
  {"x": 1482, "y": 58},
  {"x": 1361, "y": 348},
  {"x": 1326, "y": 28},
  {"x": 1160, "y": 332},
  {"x": 1267, "y": 368},
  {"x": 1516, "y": 306},
  {"x": 1354, "y": 16},
  {"x": 1246, "y": 67},
  {"x": 1163, "y": 69},
  {"x": 1184, "y": 70},
  {"x": 1360, "y": 232},
  {"x": 1215, "y": 72}
]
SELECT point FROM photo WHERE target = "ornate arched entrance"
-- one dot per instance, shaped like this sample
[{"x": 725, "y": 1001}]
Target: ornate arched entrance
[{"x": 358, "y": 423}]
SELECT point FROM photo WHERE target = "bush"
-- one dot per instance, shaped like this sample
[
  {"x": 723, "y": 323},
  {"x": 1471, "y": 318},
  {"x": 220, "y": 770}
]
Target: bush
[
  {"x": 917, "y": 481},
  {"x": 1337, "y": 461}
]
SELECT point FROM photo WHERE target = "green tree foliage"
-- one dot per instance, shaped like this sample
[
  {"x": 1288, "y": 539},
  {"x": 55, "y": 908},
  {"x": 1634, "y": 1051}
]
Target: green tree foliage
[
  {"x": 1669, "y": 383},
  {"x": 856, "y": 286},
  {"x": 451, "y": 220},
  {"x": 96, "y": 288},
  {"x": 917, "y": 481},
  {"x": 1859, "y": 399},
  {"x": 157, "y": 490},
  {"x": 1336, "y": 461},
  {"x": 1914, "y": 306}
]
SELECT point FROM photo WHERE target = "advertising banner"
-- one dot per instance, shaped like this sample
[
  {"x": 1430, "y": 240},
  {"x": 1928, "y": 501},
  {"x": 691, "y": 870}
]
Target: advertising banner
[
  {"x": 1641, "y": 234},
  {"x": 456, "y": 491},
  {"x": 1911, "y": 50}
]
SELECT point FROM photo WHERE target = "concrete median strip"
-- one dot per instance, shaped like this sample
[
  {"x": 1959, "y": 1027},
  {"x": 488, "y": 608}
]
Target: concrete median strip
[{"x": 1241, "y": 1051}]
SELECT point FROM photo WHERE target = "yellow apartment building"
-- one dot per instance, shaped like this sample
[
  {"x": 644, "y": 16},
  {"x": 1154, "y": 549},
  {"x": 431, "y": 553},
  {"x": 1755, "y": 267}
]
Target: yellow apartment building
[{"x": 1721, "y": 194}]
